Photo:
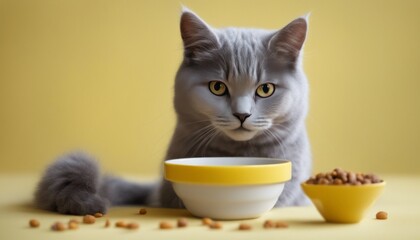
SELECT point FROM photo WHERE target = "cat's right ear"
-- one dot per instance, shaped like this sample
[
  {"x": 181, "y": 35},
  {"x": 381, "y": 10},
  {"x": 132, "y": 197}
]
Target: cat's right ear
[
  {"x": 197, "y": 36},
  {"x": 288, "y": 42}
]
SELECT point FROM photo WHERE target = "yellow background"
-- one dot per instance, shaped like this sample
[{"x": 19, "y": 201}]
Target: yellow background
[{"x": 98, "y": 76}]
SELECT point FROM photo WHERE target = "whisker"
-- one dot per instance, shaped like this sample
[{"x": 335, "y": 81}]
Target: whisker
[
  {"x": 210, "y": 139},
  {"x": 202, "y": 141},
  {"x": 196, "y": 141},
  {"x": 276, "y": 138}
]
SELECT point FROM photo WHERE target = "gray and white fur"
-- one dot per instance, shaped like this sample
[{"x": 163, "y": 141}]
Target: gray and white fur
[{"x": 238, "y": 123}]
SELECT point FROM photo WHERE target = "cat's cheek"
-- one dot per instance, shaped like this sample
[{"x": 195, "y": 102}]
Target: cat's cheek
[{"x": 286, "y": 105}]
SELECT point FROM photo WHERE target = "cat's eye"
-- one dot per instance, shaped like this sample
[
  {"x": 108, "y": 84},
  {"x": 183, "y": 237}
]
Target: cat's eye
[
  {"x": 217, "y": 88},
  {"x": 265, "y": 90}
]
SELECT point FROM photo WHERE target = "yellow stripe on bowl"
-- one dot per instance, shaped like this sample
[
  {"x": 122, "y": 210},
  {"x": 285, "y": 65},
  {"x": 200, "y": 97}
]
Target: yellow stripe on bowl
[{"x": 273, "y": 172}]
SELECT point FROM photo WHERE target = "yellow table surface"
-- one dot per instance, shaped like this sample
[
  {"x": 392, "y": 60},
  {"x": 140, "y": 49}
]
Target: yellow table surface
[{"x": 400, "y": 199}]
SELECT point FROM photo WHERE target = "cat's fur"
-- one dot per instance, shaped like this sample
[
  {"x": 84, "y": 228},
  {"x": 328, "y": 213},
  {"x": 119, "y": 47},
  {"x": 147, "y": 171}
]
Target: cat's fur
[{"x": 239, "y": 123}]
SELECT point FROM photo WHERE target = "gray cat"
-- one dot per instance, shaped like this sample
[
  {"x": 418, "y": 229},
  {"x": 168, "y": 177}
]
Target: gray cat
[{"x": 238, "y": 92}]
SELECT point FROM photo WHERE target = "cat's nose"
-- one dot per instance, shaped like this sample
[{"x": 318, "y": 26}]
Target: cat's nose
[{"x": 241, "y": 116}]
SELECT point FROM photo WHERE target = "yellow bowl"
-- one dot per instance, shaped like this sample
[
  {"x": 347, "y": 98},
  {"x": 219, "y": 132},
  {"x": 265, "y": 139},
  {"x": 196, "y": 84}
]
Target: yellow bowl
[
  {"x": 228, "y": 187},
  {"x": 343, "y": 203}
]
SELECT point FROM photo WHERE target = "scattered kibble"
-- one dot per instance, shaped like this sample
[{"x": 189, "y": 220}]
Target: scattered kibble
[
  {"x": 216, "y": 225},
  {"x": 133, "y": 226},
  {"x": 280, "y": 224},
  {"x": 74, "y": 220},
  {"x": 207, "y": 221},
  {"x": 73, "y": 225},
  {"x": 268, "y": 224},
  {"x": 89, "y": 219},
  {"x": 107, "y": 223},
  {"x": 121, "y": 224},
  {"x": 341, "y": 177},
  {"x": 98, "y": 215},
  {"x": 58, "y": 226},
  {"x": 381, "y": 215},
  {"x": 33, "y": 223},
  {"x": 143, "y": 211},
  {"x": 244, "y": 226},
  {"x": 182, "y": 222},
  {"x": 165, "y": 225}
]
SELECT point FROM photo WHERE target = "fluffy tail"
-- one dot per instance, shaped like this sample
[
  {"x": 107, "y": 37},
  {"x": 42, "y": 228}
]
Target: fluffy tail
[{"x": 73, "y": 185}]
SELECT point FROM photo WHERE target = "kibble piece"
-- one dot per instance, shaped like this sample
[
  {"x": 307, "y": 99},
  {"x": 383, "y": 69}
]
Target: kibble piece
[
  {"x": 89, "y": 219},
  {"x": 367, "y": 181},
  {"x": 165, "y": 225},
  {"x": 207, "y": 221},
  {"x": 323, "y": 181},
  {"x": 107, "y": 223},
  {"x": 143, "y": 211},
  {"x": 33, "y": 223},
  {"x": 215, "y": 225},
  {"x": 320, "y": 175},
  {"x": 133, "y": 226},
  {"x": 244, "y": 226},
  {"x": 280, "y": 224},
  {"x": 381, "y": 215},
  {"x": 98, "y": 215},
  {"x": 182, "y": 222},
  {"x": 58, "y": 226},
  {"x": 351, "y": 177},
  {"x": 121, "y": 224},
  {"x": 73, "y": 225},
  {"x": 311, "y": 180},
  {"x": 268, "y": 224},
  {"x": 74, "y": 220}
]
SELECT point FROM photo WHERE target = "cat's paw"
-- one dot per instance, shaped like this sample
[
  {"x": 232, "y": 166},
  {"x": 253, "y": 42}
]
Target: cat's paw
[{"x": 70, "y": 185}]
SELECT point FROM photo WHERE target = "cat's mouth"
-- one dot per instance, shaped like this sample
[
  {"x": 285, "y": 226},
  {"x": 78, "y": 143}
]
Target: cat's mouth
[
  {"x": 241, "y": 133},
  {"x": 241, "y": 128}
]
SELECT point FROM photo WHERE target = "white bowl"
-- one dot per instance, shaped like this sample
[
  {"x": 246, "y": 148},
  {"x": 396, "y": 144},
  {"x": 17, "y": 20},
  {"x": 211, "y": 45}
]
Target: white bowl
[{"x": 228, "y": 187}]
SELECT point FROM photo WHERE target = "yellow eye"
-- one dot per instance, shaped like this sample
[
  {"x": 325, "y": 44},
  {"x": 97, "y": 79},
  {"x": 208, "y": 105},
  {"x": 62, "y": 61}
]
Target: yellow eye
[
  {"x": 265, "y": 90},
  {"x": 217, "y": 88}
]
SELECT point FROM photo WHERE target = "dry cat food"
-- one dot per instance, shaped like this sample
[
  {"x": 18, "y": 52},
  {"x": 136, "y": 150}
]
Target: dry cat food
[
  {"x": 121, "y": 224},
  {"x": 89, "y": 219},
  {"x": 341, "y": 177},
  {"x": 381, "y": 215},
  {"x": 215, "y": 225},
  {"x": 74, "y": 220},
  {"x": 98, "y": 215},
  {"x": 143, "y": 211},
  {"x": 58, "y": 226},
  {"x": 244, "y": 226},
  {"x": 107, "y": 223},
  {"x": 73, "y": 225},
  {"x": 165, "y": 225},
  {"x": 133, "y": 226},
  {"x": 268, "y": 224},
  {"x": 33, "y": 223},
  {"x": 182, "y": 222},
  {"x": 207, "y": 221},
  {"x": 277, "y": 224}
]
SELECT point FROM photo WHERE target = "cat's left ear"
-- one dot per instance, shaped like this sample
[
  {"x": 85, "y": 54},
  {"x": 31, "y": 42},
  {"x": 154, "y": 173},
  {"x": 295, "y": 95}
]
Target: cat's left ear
[{"x": 288, "y": 41}]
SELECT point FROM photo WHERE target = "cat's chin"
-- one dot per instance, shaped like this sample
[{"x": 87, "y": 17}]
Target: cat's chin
[{"x": 241, "y": 134}]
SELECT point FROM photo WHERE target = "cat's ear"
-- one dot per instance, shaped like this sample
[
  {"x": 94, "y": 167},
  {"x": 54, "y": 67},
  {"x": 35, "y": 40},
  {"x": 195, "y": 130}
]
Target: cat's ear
[
  {"x": 288, "y": 41},
  {"x": 197, "y": 36}
]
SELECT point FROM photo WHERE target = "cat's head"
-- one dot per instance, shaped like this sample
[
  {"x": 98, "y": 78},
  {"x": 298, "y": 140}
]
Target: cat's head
[{"x": 243, "y": 82}]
